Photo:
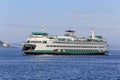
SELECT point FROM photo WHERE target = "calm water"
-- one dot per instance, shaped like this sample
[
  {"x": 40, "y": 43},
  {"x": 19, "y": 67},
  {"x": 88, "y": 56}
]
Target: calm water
[{"x": 14, "y": 65}]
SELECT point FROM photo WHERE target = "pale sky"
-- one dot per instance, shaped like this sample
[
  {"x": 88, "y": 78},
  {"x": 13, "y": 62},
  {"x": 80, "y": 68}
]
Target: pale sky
[{"x": 19, "y": 18}]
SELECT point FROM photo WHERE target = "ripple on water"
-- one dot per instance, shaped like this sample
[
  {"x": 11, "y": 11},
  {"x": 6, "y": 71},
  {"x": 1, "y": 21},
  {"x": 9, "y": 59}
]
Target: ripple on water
[{"x": 16, "y": 66}]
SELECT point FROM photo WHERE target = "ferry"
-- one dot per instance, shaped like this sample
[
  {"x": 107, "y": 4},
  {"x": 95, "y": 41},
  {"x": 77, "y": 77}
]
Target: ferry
[{"x": 68, "y": 44}]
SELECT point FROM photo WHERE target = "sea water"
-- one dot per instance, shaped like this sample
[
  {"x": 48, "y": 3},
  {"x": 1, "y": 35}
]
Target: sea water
[{"x": 14, "y": 65}]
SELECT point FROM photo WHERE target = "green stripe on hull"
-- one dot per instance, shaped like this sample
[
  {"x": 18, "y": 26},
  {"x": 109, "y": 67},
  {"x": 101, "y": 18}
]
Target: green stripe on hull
[
  {"x": 67, "y": 52},
  {"x": 82, "y": 52},
  {"x": 42, "y": 51}
]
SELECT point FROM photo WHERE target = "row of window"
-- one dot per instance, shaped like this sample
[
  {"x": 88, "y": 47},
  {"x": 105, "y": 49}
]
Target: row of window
[
  {"x": 74, "y": 46},
  {"x": 37, "y": 42},
  {"x": 78, "y": 50},
  {"x": 79, "y": 42}
]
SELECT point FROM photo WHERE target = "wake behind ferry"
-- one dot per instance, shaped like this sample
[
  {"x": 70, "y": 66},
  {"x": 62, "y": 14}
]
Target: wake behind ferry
[{"x": 69, "y": 44}]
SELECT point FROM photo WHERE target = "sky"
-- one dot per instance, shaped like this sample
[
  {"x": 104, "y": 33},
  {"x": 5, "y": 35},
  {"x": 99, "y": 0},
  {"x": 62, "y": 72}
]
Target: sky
[{"x": 19, "y": 18}]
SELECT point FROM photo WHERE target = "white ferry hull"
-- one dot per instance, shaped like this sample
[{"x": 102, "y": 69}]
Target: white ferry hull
[{"x": 65, "y": 53}]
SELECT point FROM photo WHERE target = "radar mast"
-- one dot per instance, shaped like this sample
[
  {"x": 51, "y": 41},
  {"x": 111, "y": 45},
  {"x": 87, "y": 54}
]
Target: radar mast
[
  {"x": 93, "y": 34},
  {"x": 42, "y": 29}
]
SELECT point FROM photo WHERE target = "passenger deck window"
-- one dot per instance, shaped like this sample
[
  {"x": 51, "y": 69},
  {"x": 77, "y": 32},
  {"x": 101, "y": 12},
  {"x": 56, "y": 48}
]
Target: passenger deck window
[
  {"x": 28, "y": 41},
  {"x": 44, "y": 42}
]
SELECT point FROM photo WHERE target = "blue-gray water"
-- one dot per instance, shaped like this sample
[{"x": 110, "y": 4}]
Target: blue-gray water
[{"x": 16, "y": 66}]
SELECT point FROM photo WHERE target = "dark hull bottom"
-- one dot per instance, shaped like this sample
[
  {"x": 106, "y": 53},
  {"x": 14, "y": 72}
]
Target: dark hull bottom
[{"x": 34, "y": 53}]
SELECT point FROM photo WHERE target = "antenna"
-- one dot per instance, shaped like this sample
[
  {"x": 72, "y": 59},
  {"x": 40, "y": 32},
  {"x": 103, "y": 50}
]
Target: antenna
[
  {"x": 93, "y": 32},
  {"x": 42, "y": 29}
]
